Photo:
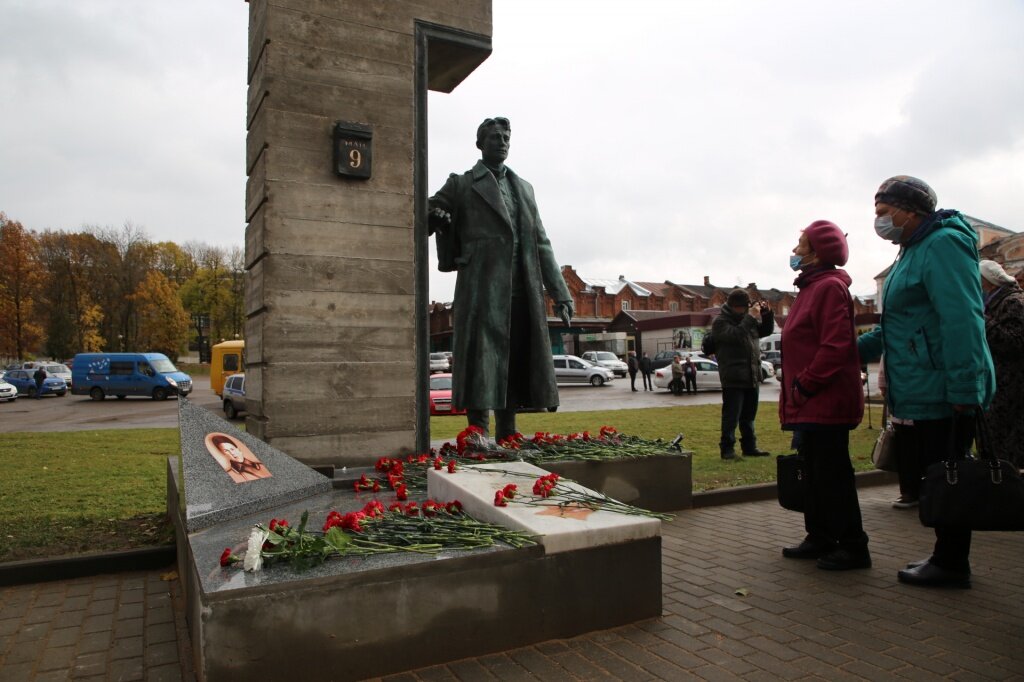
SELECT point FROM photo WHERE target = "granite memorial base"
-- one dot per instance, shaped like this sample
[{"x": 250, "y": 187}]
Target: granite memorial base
[
  {"x": 351, "y": 618},
  {"x": 661, "y": 483}
]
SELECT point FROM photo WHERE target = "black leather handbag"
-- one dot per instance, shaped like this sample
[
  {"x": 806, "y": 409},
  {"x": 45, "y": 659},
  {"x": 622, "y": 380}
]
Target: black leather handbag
[
  {"x": 791, "y": 481},
  {"x": 983, "y": 493}
]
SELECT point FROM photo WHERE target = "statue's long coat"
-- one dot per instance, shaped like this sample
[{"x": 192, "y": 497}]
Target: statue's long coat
[{"x": 478, "y": 244}]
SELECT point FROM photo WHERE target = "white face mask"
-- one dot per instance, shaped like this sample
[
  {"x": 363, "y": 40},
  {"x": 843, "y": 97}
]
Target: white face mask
[{"x": 885, "y": 229}]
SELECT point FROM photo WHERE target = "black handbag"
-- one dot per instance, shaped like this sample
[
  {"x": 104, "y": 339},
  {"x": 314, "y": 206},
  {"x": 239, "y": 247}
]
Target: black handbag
[
  {"x": 791, "y": 481},
  {"x": 984, "y": 493}
]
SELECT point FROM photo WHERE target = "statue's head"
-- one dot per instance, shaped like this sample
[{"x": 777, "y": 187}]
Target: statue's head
[{"x": 492, "y": 139}]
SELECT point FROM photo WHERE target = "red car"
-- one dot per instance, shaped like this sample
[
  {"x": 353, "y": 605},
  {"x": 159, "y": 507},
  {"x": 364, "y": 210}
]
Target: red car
[{"x": 441, "y": 395}]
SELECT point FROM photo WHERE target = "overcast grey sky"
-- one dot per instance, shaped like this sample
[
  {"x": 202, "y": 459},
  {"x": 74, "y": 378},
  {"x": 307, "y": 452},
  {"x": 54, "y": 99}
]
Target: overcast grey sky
[{"x": 665, "y": 140}]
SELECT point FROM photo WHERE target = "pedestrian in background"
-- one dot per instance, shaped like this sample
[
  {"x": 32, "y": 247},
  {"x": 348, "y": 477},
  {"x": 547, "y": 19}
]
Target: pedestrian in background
[
  {"x": 633, "y": 366},
  {"x": 690, "y": 375},
  {"x": 1004, "y": 330},
  {"x": 677, "y": 374},
  {"x": 645, "y": 371},
  {"x": 822, "y": 398},
  {"x": 938, "y": 368},
  {"x": 734, "y": 341},
  {"x": 40, "y": 377}
]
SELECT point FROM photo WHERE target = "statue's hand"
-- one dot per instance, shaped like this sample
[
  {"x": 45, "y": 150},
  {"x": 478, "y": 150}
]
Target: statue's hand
[
  {"x": 438, "y": 220},
  {"x": 565, "y": 311}
]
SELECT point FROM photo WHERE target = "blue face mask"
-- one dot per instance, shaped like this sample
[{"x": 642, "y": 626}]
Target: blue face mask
[
  {"x": 885, "y": 229},
  {"x": 796, "y": 262}
]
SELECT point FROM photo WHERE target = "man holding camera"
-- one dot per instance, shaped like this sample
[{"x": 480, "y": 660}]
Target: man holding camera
[{"x": 735, "y": 335}]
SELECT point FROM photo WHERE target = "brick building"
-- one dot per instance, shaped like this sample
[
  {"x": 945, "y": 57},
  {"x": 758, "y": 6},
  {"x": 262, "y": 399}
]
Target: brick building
[{"x": 670, "y": 313}]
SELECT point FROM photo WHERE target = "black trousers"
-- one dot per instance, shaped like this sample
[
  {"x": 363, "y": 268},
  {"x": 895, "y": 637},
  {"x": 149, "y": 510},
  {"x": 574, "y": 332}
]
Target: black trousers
[
  {"x": 739, "y": 406},
  {"x": 832, "y": 510},
  {"x": 920, "y": 445},
  {"x": 632, "y": 380},
  {"x": 518, "y": 383},
  {"x": 691, "y": 383}
]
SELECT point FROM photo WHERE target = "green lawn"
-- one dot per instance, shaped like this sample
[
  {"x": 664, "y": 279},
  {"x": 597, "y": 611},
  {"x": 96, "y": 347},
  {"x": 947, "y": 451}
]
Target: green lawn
[{"x": 70, "y": 493}]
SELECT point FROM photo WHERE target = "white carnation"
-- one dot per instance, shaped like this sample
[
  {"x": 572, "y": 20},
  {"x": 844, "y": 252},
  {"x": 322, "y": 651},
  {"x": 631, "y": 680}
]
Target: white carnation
[{"x": 254, "y": 552}]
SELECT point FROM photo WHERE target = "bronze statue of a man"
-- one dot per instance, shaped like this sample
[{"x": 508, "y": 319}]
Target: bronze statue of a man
[{"x": 489, "y": 231}]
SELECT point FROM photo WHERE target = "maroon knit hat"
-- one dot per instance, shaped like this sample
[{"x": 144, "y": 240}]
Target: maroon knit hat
[{"x": 828, "y": 242}]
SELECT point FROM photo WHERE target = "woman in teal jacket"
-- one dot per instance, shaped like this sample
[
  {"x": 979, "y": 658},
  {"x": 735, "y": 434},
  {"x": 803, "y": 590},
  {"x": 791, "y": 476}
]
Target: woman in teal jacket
[{"x": 937, "y": 363}]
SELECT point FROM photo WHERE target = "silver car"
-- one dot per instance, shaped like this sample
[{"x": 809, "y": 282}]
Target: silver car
[
  {"x": 234, "y": 395},
  {"x": 438, "y": 362},
  {"x": 608, "y": 360},
  {"x": 570, "y": 369}
]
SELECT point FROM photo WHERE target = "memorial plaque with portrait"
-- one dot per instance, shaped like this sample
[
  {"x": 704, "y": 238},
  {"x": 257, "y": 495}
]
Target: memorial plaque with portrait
[{"x": 235, "y": 458}]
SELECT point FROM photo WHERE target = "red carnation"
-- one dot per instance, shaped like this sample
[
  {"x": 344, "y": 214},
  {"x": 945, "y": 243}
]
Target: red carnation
[
  {"x": 509, "y": 491},
  {"x": 499, "y": 499},
  {"x": 438, "y": 463},
  {"x": 395, "y": 507},
  {"x": 402, "y": 493},
  {"x": 453, "y": 507},
  {"x": 451, "y": 466},
  {"x": 227, "y": 558},
  {"x": 411, "y": 510}
]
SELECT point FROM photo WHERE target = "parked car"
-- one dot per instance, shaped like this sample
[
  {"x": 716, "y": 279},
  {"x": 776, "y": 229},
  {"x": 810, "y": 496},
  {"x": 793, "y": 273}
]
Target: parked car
[
  {"x": 608, "y": 360},
  {"x": 451, "y": 360},
  {"x": 570, "y": 369},
  {"x": 7, "y": 391},
  {"x": 774, "y": 357},
  {"x": 438, "y": 362},
  {"x": 767, "y": 370},
  {"x": 234, "y": 395},
  {"x": 441, "y": 396},
  {"x": 663, "y": 358},
  {"x": 707, "y": 375},
  {"x": 153, "y": 375},
  {"x": 23, "y": 380},
  {"x": 58, "y": 369}
]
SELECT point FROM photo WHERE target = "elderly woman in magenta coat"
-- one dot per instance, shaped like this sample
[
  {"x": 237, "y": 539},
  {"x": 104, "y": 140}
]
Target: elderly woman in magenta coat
[{"x": 822, "y": 398}]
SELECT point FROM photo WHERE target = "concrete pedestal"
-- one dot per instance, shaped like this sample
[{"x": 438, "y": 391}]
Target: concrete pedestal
[
  {"x": 661, "y": 483},
  {"x": 354, "y": 618}
]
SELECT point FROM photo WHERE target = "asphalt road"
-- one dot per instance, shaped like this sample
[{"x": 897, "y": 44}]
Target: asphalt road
[{"x": 80, "y": 413}]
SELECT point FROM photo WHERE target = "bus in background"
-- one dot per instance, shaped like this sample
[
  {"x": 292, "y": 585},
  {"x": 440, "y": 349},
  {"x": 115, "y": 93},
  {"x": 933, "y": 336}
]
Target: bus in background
[{"x": 226, "y": 358}]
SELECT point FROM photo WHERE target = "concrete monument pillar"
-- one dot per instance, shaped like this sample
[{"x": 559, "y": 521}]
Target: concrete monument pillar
[{"x": 336, "y": 245}]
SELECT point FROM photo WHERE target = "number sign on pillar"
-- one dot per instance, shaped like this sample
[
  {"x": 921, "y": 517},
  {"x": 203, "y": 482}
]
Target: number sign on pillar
[{"x": 353, "y": 149}]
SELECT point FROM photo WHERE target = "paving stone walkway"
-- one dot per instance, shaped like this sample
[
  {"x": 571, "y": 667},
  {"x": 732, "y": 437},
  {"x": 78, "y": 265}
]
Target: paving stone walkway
[{"x": 793, "y": 622}]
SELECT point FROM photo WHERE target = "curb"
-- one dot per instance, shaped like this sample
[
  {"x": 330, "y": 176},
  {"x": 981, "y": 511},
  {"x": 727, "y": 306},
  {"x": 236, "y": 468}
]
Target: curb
[{"x": 68, "y": 567}]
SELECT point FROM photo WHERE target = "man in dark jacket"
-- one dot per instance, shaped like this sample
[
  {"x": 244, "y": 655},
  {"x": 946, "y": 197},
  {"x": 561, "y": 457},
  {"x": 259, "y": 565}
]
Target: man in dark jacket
[
  {"x": 646, "y": 370},
  {"x": 735, "y": 335},
  {"x": 633, "y": 366},
  {"x": 489, "y": 231},
  {"x": 40, "y": 377}
]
